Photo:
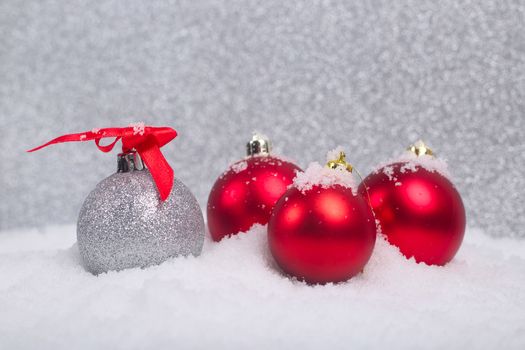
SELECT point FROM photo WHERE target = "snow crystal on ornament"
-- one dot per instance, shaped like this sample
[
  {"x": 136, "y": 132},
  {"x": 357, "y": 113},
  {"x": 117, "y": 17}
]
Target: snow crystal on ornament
[
  {"x": 272, "y": 159},
  {"x": 284, "y": 159},
  {"x": 334, "y": 154},
  {"x": 138, "y": 128},
  {"x": 412, "y": 162},
  {"x": 238, "y": 167},
  {"x": 389, "y": 171},
  {"x": 318, "y": 175}
]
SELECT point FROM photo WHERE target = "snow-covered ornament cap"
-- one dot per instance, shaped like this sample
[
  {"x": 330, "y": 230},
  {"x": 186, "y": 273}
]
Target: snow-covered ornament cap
[
  {"x": 418, "y": 155},
  {"x": 258, "y": 145},
  {"x": 339, "y": 162},
  {"x": 419, "y": 149},
  {"x": 336, "y": 172}
]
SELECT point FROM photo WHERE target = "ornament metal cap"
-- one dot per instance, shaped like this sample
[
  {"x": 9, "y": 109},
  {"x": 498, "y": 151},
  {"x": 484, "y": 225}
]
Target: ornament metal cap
[
  {"x": 340, "y": 162},
  {"x": 129, "y": 161},
  {"x": 419, "y": 149},
  {"x": 258, "y": 145}
]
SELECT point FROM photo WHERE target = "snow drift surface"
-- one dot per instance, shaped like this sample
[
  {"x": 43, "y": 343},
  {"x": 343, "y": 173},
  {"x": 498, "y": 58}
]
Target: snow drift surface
[{"x": 233, "y": 296}]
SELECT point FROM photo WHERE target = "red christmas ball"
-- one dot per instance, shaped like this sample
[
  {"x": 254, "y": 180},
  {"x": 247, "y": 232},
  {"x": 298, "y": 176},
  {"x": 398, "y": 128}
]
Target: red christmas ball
[
  {"x": 246, "y": 194},
  {"x": 419, "y": 210},
  {"x": 323, "y": 234}
]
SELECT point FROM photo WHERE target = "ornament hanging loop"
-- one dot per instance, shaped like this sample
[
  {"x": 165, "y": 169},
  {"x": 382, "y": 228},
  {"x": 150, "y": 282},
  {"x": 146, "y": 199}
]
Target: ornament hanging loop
[{"x": 368, "y": 200}]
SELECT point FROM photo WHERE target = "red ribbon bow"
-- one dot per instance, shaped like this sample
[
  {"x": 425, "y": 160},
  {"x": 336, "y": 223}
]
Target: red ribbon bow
[{"x": 146, "y": 140}]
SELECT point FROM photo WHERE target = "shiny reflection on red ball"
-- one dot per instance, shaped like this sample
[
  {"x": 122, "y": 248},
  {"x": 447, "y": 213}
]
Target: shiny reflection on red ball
[
  {"x": 234, "y": 192},
  {"x": 334, "y": 208},
  {"x": 272, "y": 186},
  {"x": 246, "y": 194},
  {"x": 420, "y": 212},
  {"x": 321, "y": 235},
  {"x": 418, "y": 193},
  {"x": 293, "y": 214}
]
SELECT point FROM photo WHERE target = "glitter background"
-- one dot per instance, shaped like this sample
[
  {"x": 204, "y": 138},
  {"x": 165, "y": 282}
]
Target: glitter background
[{"x": 372, "y": 76}]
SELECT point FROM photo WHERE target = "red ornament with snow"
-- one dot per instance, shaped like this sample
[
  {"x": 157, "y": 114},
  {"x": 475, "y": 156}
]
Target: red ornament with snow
[
  {"x": 321, "y": 230},
  {"x": 246, "y": 193},
  {"x": 419, "y": 209}
]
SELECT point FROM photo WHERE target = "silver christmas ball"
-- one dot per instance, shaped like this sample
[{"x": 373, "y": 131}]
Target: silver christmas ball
[{"x": 124, "y": 224}]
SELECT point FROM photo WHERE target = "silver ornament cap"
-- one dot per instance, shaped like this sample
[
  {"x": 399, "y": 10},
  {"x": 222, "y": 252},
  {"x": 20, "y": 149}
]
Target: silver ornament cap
[
  {"x": 258, "y": 145},
  {"x": 124, "y": 224},
  {"x": 129, "y": 161}
]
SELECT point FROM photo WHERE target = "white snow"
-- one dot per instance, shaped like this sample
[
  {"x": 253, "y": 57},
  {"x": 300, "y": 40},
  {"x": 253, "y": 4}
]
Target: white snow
[
  {"x": 242, "y": 164},
  {"x": 138, "y": 128},
  {"x": 237, "y": 167},
  {"x": 233, "y": 297},
  {"x": 388, "y": 170},
  {"x": 318, "y": 175},
  {"x": 282, "y": 158},
  {"x": 334, "y": 154},
  {"x": 412, "y": 161}
]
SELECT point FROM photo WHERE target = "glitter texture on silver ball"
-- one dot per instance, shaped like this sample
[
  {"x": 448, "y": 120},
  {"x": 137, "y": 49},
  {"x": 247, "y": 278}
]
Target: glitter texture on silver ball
[{"x": 123, "y": 223}]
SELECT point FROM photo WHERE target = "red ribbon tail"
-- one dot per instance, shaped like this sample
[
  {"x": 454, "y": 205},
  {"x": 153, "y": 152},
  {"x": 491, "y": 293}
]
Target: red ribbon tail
[
  {"x": 158, "y": 166},
  {"x": 65, "y": 138},
  {"x": 87, "y": 136}
]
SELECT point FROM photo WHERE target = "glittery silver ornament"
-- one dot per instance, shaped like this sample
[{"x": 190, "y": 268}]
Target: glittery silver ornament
[{"x": 124, "y": 224}]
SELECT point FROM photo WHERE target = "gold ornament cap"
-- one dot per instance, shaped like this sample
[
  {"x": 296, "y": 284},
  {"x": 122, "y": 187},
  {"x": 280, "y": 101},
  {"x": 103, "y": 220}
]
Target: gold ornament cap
[
  {"x": 258, "y": 145},
  {"x": 339, "y": 163},
  {"x": 419, "y": 149}
]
